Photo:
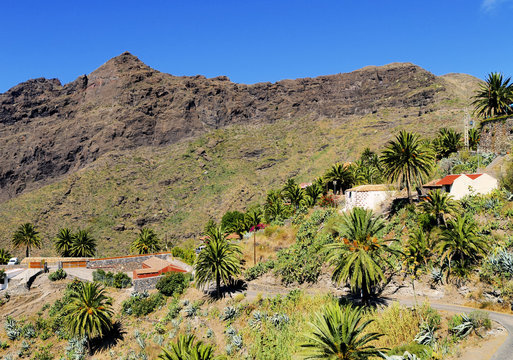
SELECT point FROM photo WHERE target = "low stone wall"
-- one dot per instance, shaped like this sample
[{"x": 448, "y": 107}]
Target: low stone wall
[
  {"x": 146, "y": 283},
  {"x": 99, "y": 263},
  {"x": 497, "y": 136}
]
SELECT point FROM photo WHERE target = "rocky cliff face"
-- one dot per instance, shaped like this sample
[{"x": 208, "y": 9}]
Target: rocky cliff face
[{"x": 48, "y": 129}]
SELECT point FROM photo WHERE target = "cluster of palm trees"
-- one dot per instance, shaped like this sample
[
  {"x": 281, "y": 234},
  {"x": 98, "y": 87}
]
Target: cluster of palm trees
[{"x": 79, "y": 244}]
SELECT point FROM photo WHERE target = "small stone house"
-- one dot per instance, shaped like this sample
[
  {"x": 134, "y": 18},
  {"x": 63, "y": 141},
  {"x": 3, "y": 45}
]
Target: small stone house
[
  {"x": 368, "y": 196},
  {"x": 460, "y": 185}
]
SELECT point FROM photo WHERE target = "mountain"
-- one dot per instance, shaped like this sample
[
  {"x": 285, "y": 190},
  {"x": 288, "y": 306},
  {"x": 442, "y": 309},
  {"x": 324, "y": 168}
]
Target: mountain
[{"x": 127, "y": 146}]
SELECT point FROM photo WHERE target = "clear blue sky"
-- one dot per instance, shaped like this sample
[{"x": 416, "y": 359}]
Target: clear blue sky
[{"x": 253, "y": 41}]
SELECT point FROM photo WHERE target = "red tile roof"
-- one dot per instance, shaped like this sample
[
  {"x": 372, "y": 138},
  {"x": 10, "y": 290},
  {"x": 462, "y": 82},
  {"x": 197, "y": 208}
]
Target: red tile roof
[
  {"x": 448, "y": 180},
  {"x": 474, "y": 176}
]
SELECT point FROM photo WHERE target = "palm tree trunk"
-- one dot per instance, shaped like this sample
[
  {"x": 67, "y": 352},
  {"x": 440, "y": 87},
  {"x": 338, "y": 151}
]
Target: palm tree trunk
[
  {"x": 408, "y": 188},
  {"x": 218, "y": 285},
  {"x": 27, "y": 252}
]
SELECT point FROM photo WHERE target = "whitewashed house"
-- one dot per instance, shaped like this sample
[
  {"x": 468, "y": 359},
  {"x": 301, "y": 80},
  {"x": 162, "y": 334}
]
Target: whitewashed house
[
  {"x": 368, "y": 196},
  {"x": 460, "y": 185}
]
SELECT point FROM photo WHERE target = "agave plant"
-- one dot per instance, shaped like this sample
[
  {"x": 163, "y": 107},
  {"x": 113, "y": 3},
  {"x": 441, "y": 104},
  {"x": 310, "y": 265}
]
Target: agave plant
[
  {"x": 465, "y": 328},
  {"x": 437, "y": 276},
  {"x": 12, "y": 329},
  {"x": 405, "y": 356},
  {"x": 229, "y": 313},
  {"x": 426, "y": 335},
  {"x": 279, "y": 320}
]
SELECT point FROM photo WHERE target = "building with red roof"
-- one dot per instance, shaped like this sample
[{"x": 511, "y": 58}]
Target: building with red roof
[{"x": 460, "y": 185}]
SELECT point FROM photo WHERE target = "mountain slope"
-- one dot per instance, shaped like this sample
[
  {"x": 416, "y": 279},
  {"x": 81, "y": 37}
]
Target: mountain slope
[
  {"x": 48, "y": 130},
  {"x": 127, "y": 146}
]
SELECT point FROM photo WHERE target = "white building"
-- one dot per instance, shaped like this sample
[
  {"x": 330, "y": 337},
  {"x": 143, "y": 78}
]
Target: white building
[
  {"x": 461, "y": 185},
  {"x": 368, "y": 196}
]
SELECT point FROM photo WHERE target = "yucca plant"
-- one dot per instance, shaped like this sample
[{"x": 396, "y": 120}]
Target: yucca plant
[{"x": 187, "y": 348}]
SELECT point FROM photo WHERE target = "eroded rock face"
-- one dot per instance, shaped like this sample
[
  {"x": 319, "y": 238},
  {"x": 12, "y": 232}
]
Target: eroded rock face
[{"x": 48, "y": 129}]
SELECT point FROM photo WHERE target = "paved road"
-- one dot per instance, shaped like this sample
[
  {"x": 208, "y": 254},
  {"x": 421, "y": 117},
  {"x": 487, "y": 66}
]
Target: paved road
[{"x": 505, "y": 352}]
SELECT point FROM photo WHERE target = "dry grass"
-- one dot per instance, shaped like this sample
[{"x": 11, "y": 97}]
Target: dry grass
[{"x": 268, "y": 243}]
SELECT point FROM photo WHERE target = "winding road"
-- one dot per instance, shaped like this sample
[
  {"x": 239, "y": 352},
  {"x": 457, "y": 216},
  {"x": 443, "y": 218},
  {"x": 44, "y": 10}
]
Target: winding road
[{"x": 505, "y": 351}]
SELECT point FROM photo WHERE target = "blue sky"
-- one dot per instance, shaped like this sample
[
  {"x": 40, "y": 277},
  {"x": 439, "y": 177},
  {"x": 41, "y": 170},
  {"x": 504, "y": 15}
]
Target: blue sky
[{"x": 253, "y": 41}]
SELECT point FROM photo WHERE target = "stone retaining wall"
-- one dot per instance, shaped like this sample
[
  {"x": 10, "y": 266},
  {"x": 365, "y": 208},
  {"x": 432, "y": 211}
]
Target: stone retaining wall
[
  {"x": 146, "y": 283},
  {"x": 99, "y": 263},
  {"x": 497, "y": 136}
]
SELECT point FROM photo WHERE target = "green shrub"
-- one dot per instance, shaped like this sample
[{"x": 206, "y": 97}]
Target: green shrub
[
  {"x": 122, "y": 280},
  {"x": 119, "y": 280},
  {"x": 187, "y": 255},
  {"x": 258, "y": 270},
  {"x": 57, "y": 275},
  {"x": 480, "y": 319},
  {"x": 140, "y": 304},
  {"x": 412, "y": 348},
  {"x": 173, "y": 283}
]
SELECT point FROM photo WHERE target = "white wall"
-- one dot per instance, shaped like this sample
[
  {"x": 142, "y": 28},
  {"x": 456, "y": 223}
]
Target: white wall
[
  {"x": 366, "y": 199},
  {"x": 464, "y": 185}
]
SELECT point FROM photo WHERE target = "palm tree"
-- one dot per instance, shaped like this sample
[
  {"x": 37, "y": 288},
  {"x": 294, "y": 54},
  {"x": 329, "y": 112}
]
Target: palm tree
[
  {"x": 314, "y": 191},
  {"x": 439, "y": 204},
  {"x": 406, "y": 159},
  {"x": 296, "y": 195},
  {"x": 64, "y": 242},
  {"x": 473, "y": 139},
  {"x": 253, "y": 218},
  {"x": 418, "y": 248},
  {"x": 89, "y": 312},
  {"x": 460, "y": 242},
  {"x": 83, "y": 245},
  {"x": 186, "y": 348},
  {"x": 4, "y": 256},
  {"x": 358, "y": 257},
  {"x": 448, "y": 141},
  {"x": 147, "y": 242},
  {"x": 339, "y": 333},
  {"x": 26, "y": 235},
  {"x": 494, "y": 97},
  {"x": 341, "y": 176},
  {"x": 219, "y": 261}
]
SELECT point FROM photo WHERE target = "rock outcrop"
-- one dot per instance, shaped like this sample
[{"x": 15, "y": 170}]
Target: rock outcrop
[{"x": 48, "y": 129}]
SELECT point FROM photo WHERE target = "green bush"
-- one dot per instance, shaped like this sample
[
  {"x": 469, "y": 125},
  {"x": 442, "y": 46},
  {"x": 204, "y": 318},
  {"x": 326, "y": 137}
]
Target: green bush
[
  {"x": 412, "y": 348},
  {"x": 173, "y": 283},
  {"x": 57, "y": 275},
  {"x": 119, "y": 280},
  {"x": 140, "y": 304},
  {"x": 258, "y": 270},
  {"x": 187, "y": 255},
  {"x": 122, "y": 280}
]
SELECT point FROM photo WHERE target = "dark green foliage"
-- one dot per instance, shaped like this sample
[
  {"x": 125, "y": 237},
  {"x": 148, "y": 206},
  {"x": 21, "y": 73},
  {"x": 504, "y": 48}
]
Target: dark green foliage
[
  {"x": 230, "y": 219},
  {"x": 173, "y": 283},
  {"x": 84, "y": 245},
  {"x": 141, "y": 304},
  {"x": 187, "y": 255},
  {"x": 119, "y": 280},
  {"x": 57, "y": 275},
  {"x": 4, "y": 257},
  {"x": 302, "y": 262},
  {"x": 258, "y": 270},
  {"x": 26, "y": 235},
  {"x": 495, "y": 97}
]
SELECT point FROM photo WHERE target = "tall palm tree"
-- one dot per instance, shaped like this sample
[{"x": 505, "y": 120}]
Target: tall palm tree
[
  {"x": 473, "y": 138},
  {"x": 84, "y": 245},
  {"x": 296, "y": 195},
  {"x": 64, "y": 242},
  {"x": 89, "y": 312},
  {"x": 219, "y": 261},
  {"x": 253, "y": 218},
  {"x": 26, "y": 235},
  {"x": 460, "y": 243},
  {"x": 4, "y": 256},
  {"x": 358, "y": 257},
  {"x": 341, "y": 176},
  {"x": 406, "y": 159},
  {"x": 186, "y": 348},
  {"x": 147, "y": 242},
  {"x": 314, "y": 191},
  {"x": 448, "y": 141},
  {"x": 494, "y": 97},
  {"x": 439, "y": 204},
  {"x": 340, "y": 333}
]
